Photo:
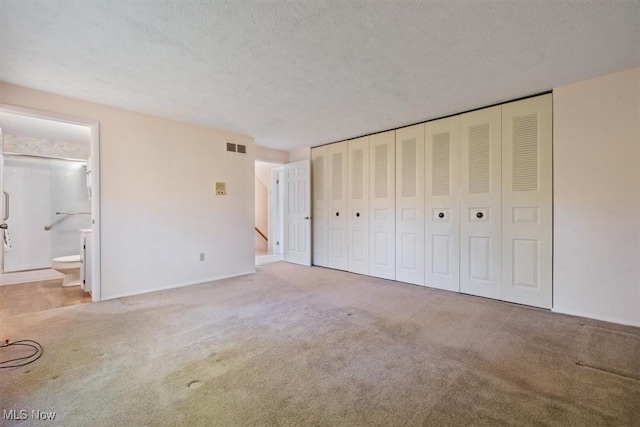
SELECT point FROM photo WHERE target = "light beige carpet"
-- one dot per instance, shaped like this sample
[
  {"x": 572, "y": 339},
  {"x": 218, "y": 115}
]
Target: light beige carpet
[{"x": 309, "y": 346}]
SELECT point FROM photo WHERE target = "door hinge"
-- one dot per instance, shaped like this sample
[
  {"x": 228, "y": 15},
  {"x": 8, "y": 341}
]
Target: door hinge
[
  {"x": 277, "y": 181},
  {"x": 84, "y": 282},
  {"x": 277, "y": 243}
]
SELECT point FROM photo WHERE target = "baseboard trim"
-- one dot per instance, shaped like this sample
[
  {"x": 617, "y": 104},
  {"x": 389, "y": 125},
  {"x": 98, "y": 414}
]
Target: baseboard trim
[
  {"x": 595, "y": 316},
  {"x": 179, "y": 285}
]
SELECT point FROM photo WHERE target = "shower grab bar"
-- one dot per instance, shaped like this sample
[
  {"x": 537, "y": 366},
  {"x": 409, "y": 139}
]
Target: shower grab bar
[
  {"x": 66, "y": 216},
  {"x": 56, "y": 222},
  {"x": 6, "y": 206},
  {"x": 73, "y": 213}
]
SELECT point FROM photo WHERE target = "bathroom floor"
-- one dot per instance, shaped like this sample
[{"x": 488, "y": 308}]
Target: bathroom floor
[{"x": 39, "y": 296}]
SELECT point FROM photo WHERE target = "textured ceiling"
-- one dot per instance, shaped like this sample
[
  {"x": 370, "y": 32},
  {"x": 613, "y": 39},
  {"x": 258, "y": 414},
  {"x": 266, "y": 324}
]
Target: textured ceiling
[{"x": 295, "y": 74}]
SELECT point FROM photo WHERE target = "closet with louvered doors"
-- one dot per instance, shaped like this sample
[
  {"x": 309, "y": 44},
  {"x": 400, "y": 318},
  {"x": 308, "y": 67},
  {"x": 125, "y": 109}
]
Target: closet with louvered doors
[
  {"x": 462, "y": 203},
  {"x": 442, "y": 204},
  {"x": 382, "y": 205},
  {"x": 410, "y": 224},
  {"x": 358, "y": 205},
  {"x": 337, "y": 222},
  {"x": 527, "y": 201},
  {"x": 320, "y": 206}
]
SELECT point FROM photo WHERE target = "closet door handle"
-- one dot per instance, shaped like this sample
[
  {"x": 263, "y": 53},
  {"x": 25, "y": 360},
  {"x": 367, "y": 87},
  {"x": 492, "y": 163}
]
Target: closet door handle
[
  {"x": 337, "y": 213},
  {"x": 6, "y": 205},
  {"x": 358, "y": 214},
  {"x": 441, "y": 215},
  {"x": 479, "y": 215}
]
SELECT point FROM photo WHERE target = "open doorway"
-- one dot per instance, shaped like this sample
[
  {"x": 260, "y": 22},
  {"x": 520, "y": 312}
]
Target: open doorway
[
  {"x": 49, "y": 180},
  {"x": 269, "y": 211}
]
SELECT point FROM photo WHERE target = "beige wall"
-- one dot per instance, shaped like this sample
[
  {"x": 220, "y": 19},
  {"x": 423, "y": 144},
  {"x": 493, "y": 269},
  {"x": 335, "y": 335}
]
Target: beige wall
[
  {"x": 299, "y": 154},
  {"x": 158, "y": 208},
  {"x": 597, "y": 198},
  {"x": 265, "y": 154}
]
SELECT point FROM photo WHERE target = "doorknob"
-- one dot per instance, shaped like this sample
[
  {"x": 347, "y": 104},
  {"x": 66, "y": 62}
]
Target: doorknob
[
  {"x": 479, "y": 215},
  {"x": 441, "y": 215},
  {"x": 358, "y": 214},
  {"x": 307, "y": 217},
  {"x": 3, "y": 226},
  {"x": 337, "y": 213}
]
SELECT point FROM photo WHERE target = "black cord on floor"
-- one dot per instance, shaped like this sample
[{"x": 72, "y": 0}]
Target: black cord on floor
[{"x": 22, "y": 361}]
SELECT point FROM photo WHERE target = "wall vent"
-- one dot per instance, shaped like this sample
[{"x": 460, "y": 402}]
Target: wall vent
[{"x": 236, "y": 148}]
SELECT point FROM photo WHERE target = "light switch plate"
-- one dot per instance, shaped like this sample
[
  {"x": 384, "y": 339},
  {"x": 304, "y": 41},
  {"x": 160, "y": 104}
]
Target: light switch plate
[{"x": 221, "y": 189}]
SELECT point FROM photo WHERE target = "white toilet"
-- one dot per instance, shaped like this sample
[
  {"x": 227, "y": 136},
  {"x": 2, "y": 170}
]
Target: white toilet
[{"x": 70, "y": 267}]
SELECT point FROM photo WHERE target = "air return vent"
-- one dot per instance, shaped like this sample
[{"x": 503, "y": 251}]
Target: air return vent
[{"x": 236, "y": 148}]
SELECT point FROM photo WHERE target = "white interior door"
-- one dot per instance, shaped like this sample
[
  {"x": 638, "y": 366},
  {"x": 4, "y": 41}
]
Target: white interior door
[
  {"x": 526, "y": 201},
  {"x": 358, "y": 205},
  {"x": 480, "y": 202},
  {"x": 410, "y": 204},
  {"x": 382, "y": 205},
  {"x": 297, "y": 231},
  {"x": 319, "y": 165},
  {"x": 338, "y": 215},
  {"x": 442, "y": 204}
]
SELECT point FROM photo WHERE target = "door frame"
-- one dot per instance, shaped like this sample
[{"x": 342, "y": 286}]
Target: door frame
[
  {"x": 276, "y": 211},
  {"x": 94, "y": 165}
]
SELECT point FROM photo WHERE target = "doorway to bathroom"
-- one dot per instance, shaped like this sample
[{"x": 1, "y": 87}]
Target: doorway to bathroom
[{"x": 49, "y": 184}]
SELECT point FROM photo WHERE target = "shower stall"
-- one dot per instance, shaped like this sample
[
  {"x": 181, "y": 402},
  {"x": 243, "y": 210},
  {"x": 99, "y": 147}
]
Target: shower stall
[{"x": 46, "y": 204}]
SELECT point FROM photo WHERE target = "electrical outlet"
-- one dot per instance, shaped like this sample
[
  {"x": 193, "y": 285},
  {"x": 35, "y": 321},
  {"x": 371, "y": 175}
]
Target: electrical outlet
[
  {"x": 202, "y": 256},
  {"x": 221, "y": 189}
]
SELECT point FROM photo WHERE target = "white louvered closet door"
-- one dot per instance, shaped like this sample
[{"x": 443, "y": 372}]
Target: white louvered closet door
[
  {"x": 320, "y": 206},
  {"x": 526, "y": 201},
  {"x": 358, "y": 203},
  {"x": 382, "y": 205},
  {"x": 480, "y": 202},
  {"x": 442, "y": 204},
  {"x": 410, "y": 204},
  {"x": 338, "y": 214}
]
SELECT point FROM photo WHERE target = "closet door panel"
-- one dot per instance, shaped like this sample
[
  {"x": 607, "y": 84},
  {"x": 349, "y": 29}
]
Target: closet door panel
[
  {"x": 480, "y": 202},
  {"x": 442, "y": 204},
  {"x": 338, "y": 214},
  {"x": 358, "y": 204},
  {"x": 410, "y": 204},
  {"x": 382, "y": 201},
  {"x": 527, "y": 201},
  {"x": 319, "y": 165}
]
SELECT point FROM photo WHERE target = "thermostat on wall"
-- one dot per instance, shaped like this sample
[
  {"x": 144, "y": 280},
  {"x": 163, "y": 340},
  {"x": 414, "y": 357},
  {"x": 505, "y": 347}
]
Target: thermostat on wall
[{"x": 221, "y": 189}]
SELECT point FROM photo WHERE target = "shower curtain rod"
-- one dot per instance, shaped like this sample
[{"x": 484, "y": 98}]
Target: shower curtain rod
[{"x": 35, "y": 156}]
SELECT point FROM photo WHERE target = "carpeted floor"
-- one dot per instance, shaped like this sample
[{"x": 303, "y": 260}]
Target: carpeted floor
[{"x": 294, "y": 346}]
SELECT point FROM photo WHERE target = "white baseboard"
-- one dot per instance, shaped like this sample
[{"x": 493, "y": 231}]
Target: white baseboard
[
  {"x": 29, "y": 276},
  {"x": 595, "y": 316},
  {"x": 179, "y": 285}
]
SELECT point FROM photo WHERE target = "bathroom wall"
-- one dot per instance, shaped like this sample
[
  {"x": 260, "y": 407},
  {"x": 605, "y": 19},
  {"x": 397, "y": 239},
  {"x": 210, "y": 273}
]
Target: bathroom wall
[
  {"x": 159, "y": 210},
  {"x": 68, "y": 194}
]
